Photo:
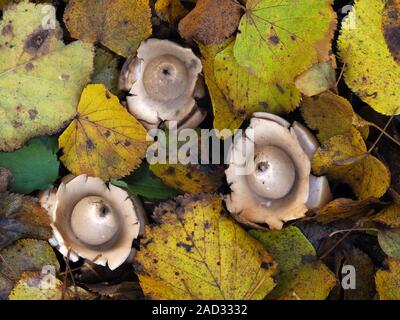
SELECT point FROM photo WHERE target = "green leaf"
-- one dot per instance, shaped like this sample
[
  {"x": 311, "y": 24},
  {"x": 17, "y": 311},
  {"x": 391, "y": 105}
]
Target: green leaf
[
  {"x": 41, "y": 79},
  {"x": 106, "y": 70},
  {"x": 389, "y": 240},
  {"x": 301, "y": 276},
  {"x": 144, "y": 183},
  {"x": 34, "y": 167},
  {"x": 246, "y": 93},
  {"x": 280, "y": 40}
]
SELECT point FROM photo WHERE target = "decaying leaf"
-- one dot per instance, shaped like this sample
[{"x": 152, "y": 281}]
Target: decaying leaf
[
  {"x": 106, "y": 70},
  {"x": 301, "y": 276},
  {"x": 103, "y": 140},
  {"x": 331, "y": 115},
  {"x": 22, "y": 217},
  {"x": 389, "y": 240},
  {"x": 191, "y": 179},
  {"x": 224, "y": 117},
  {"x": 319, "y": 78},
  {"x": 26, "y": 255},
  {"x": 120, "y": 25},
  {"x": 121, "y": 291},
  {"x": 345, "y": 209},
  {"x": 364, "y": 276},
  {"x": 389, "y": 216},
  {"x": 197, "y": 252},
  {"x": 40, "y": 77},
  {"x": 170, "y": 10},
  {"x": 31, "y": 286},
  {"x": 34, "y": 166},
  {"x": 278, "y": 42},
  {"x": 246, "y": 93},
  {"x": 388, "y": 281},
  {"x": 345, "y": 158},
  {"x": 211, "y": 21},
  {"x": 5, "y": 179},
  {"x": 372, "y": 71}
]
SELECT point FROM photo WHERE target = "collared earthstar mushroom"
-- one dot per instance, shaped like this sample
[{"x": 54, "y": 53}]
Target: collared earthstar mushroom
[
  {"x": 279, "y": 186},
  {"x": 163, "y": 82},
  {"x": 93, "y": 220}
]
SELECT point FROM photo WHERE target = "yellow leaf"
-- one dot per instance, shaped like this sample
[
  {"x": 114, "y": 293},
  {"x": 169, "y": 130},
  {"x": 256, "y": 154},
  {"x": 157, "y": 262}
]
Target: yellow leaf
[
  {"x": 319, "y": 78},
  {"x": 246, "y": 93},
  {"x": 170, "y": 10},
  {"x": 388, "y": 281},
  {"x": 345, "y": 158},
  {"x": 192, "y": 179},
  {"x": 31, "y": 287},
  {"x": 196, "y": 251},
  {"x": 345, "y": 209},
  {"x": 120, "y": 25},
  {"x": 104, "y": 140},
  {"x": 224, "y": 117},
  {"x": 40, "y": 77},
  {"x": 371, "y": 70},
  {"x": 300, "y": 274},
  {"x": 389, "y": 216},
  {"x": 330, "y": 114}
]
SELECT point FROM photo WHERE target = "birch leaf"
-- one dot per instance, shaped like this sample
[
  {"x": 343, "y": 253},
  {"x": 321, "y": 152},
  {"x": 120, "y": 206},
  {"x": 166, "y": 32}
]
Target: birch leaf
[
  {"x": 196, "y": 251},
  {"x": 388, "y": 281},
  {"x": 344, "y": 158},
  {"x": 120, "y": 25},
  {"x": 279, "y": 41},
  {"x": 246, "y": 93},
  {"x": 370, "y": 53},
  {"x": 103, "y": 140},
  {"x": 40, "y": 77},
  {"x": 224, "y": 117}
]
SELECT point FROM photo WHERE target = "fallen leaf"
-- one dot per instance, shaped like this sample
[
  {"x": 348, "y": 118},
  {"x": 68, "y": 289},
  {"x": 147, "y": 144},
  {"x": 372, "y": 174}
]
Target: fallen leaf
[
  {"x": 319, "y": 78},
  {"x": 31, "y": 287},
  {"x": 389, "y": 240},
  {"x": 22, "y": 217},
  {"x": 371, "y": 70},
  {"x": 144, "y": 183},
  {"x": 103, "y": 140},
  {"x": 120, "y": 25},
  {"x": 246, "y": 93},
  {"x": 211, "y": 21},
  {"x": 330, "y": 114},
  {"x": 224, "y": 117},
  {"x": 121, "y": 291},
  {"x": 388, "y": 281},
  {"x": 191, "y": 179},
  {"x": 40, "y": 77},
  {"x": 344, "y": 158},
  {"x": 170, "y": 10},
  {"x": 279, "y": 42},
  {"x": 389, "y": 216},
  {"x": 33, "y": 167},
  {"x": 25, "y": 255},
  {"x": 5, "y": 179},
  {"x": 195, "y": 251},
  {"x": 106, "y": 70},
  {"x": 301, "y": 276},
  {"x": 345, "y": 209}
]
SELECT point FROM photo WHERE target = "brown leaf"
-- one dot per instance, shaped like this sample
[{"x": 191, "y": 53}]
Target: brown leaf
[
  {"x": 211, "y": 21},
  {"x": 22, "y": 217}
]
